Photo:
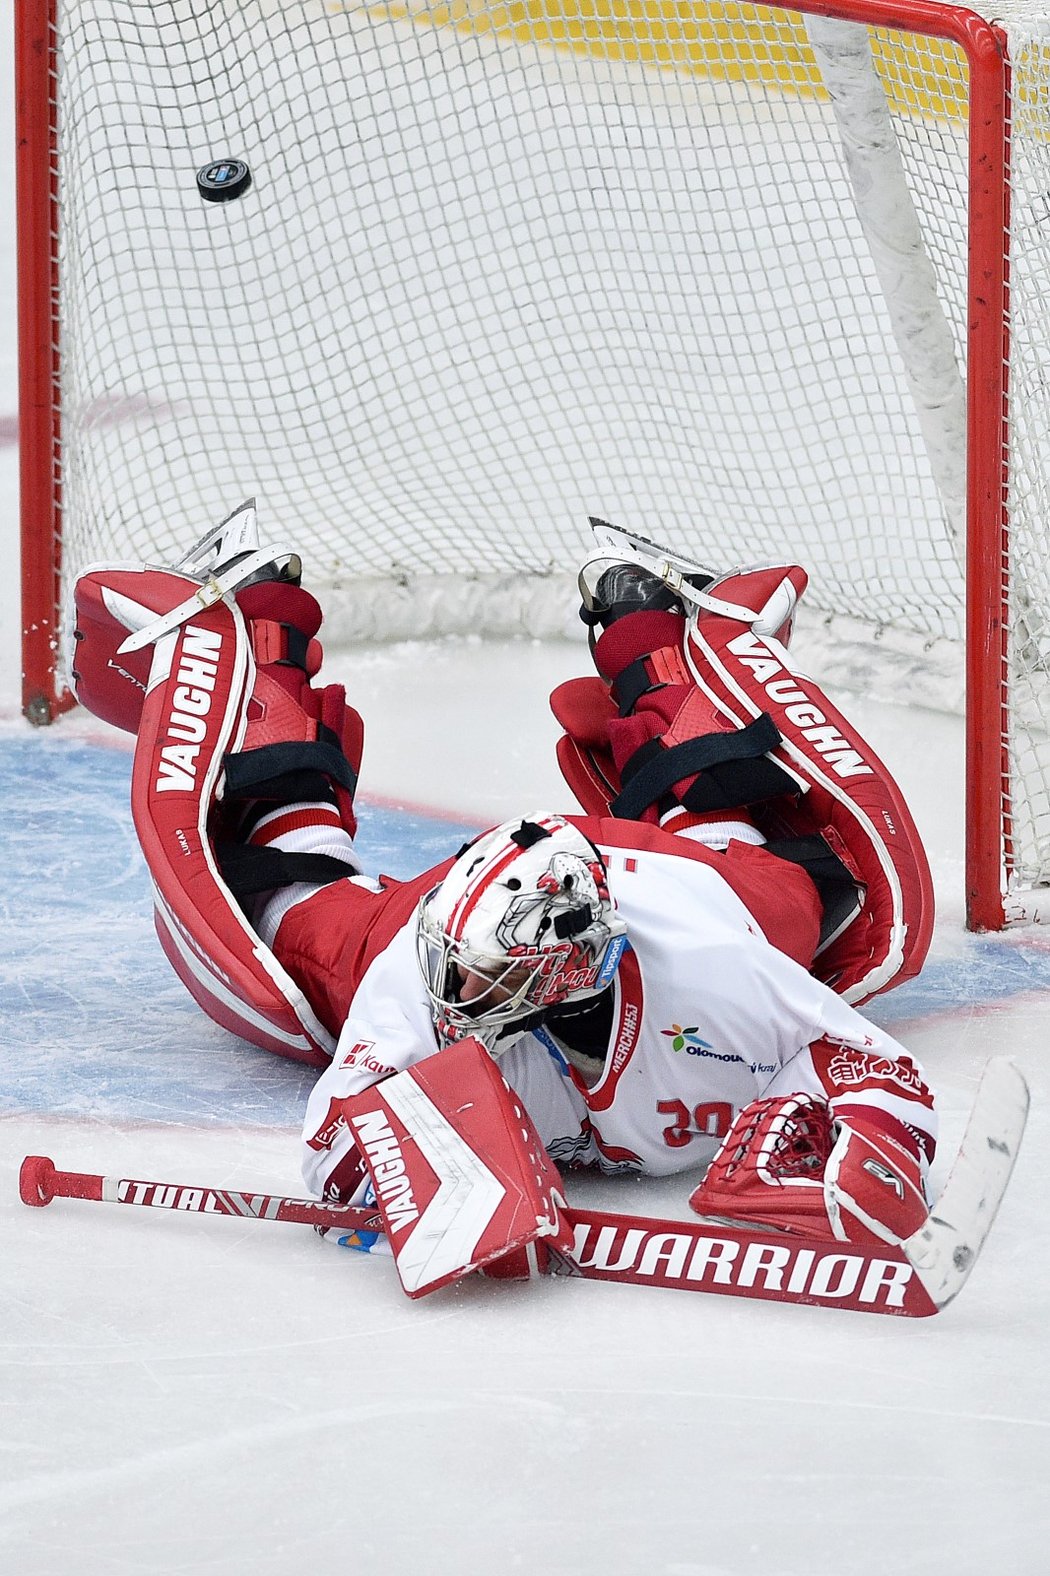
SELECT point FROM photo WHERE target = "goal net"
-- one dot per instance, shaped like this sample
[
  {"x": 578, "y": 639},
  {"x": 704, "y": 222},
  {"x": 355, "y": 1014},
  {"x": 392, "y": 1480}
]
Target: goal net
[{"x": 725, "y": 275}]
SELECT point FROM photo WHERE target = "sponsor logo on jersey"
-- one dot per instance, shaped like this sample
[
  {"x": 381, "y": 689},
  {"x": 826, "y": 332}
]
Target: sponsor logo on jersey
[
  {"x": 624, "y": 1038},
  {"x": 850, "y": 1067},
  {"x": 807, "y": 720},
  {"x": 191, "y": 701},
  {"x": 693, "y": 1258},
  {"x": 685, "y": 1039},
  {"x": 613, "y": 953},
  {"x": 689, "y": 1041},
  {"x": 389, "y": 1172},
  {"x": 325, "y": 1135},
  {"x": 628, "y": 1034},
  {"x": 359, "y": 1055}
]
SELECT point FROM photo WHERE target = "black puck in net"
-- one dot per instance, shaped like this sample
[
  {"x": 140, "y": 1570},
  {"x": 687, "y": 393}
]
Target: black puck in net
[{"x": 224, "y": 180}]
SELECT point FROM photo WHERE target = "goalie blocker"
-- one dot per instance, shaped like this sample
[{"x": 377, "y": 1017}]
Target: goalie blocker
[{"x": 462, "y": 1182}]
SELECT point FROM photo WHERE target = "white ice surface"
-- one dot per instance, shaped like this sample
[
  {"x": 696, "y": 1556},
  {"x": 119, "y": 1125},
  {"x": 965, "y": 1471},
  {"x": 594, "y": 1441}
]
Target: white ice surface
[{"x": 192, "y": 1397}]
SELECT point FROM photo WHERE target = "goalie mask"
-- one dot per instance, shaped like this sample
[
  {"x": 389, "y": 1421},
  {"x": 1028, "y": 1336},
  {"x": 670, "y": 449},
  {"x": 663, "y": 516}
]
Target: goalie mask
[{"x": 522, "y": 922}]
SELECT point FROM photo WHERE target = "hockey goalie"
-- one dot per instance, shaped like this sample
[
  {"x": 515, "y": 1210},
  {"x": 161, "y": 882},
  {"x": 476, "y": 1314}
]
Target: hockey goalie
[{"x": 667, "y": 982}]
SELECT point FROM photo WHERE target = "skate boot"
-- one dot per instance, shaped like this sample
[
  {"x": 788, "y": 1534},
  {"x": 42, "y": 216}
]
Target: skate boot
[{"x": 628, "y": 574}]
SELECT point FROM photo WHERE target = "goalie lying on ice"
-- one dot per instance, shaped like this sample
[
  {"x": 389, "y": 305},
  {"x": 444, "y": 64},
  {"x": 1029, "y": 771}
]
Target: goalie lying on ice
[{"x": 666, "y": 982}]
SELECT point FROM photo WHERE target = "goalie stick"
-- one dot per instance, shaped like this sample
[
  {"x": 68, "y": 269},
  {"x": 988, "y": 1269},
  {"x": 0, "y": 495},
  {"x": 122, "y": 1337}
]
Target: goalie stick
[{"x": 916, "y": 1279}]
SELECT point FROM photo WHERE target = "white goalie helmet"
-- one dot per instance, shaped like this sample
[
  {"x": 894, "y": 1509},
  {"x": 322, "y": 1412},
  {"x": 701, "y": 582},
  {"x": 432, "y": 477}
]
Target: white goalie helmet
[{"x": 525, "y": 908}]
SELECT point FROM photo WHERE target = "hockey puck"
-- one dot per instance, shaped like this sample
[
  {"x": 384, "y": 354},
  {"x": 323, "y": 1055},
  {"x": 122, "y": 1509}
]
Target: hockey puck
[{"x": 224, "y": 180}]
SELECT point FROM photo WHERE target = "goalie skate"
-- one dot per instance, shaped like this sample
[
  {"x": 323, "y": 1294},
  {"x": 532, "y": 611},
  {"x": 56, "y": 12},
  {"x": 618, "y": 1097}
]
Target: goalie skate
[
  {"x": 691, "y": 581},
  {"x": 613, "y": 545}
]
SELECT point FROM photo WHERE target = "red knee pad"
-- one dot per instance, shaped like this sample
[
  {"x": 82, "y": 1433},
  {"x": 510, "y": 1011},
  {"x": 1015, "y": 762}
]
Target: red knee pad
[{"x": 282, "y": 621}]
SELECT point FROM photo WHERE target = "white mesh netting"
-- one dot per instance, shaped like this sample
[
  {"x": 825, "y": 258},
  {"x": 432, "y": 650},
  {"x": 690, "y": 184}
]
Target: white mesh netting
[{"x": 502, "y": 267}]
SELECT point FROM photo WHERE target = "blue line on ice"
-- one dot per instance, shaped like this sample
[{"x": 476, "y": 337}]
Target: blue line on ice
[{"x": 96, "y": 1026}]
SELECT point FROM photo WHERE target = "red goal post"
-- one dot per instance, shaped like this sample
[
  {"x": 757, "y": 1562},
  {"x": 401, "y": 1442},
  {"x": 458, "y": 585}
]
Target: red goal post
[{"x": 94, "y": 438}]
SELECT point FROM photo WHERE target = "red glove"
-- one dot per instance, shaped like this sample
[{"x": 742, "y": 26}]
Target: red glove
[
  {"x": 873, "y": 1186},
  {"x": 787, "y": 1164}
]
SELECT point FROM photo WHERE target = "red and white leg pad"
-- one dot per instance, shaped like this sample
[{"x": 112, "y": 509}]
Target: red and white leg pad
[
  {"x": 109, "y": 603},
  {"x": 850, "y": 797},
  {"x": 224, "y": 710},
  {"x": 461, "y": 1177},
  {"x": 195, "y": 713},
  {"x": 706, "y": 713}
]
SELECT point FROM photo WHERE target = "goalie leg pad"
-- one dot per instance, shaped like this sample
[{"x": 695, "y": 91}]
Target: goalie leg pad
[
  {"x": 849, "y": 797},
  {"x": 109, "y": 603},
  {"x": 210, "y": 663},
  {"x": 299, "y": 742},
  {"x": 194, "y": 714},
  {"x": 648, "y": 739},
  {"x": 585, "y": 709},
  {"x": 673, "y": 747},
  {"x": 229, "y": 719},
  {"x": 722, "y": 694},
  {"x": 460, "y": 1174}
]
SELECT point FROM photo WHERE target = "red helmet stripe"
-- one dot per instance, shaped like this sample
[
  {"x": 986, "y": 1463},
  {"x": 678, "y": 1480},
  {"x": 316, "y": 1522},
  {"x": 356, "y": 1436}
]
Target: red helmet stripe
[{"x": 498, "y": 862}]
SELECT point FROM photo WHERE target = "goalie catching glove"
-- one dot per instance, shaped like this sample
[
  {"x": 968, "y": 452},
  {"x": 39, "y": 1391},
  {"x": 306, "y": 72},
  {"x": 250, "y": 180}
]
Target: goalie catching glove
[{"x": 786, "y": 1163}]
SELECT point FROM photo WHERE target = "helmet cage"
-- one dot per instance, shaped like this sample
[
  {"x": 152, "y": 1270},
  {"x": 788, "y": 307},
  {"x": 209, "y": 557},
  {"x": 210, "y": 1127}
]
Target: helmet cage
[
  {"x": 547, "y": 935},
  {"x": 524, "y": 980}
]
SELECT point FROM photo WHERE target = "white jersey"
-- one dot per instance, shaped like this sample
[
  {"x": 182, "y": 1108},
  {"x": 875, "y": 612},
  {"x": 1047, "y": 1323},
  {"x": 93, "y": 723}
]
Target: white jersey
[{"x": 708, "y": 1016}]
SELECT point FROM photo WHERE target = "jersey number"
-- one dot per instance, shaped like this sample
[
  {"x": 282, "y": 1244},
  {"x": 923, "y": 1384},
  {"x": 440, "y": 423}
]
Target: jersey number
[{"x": 710, "y": 1120}]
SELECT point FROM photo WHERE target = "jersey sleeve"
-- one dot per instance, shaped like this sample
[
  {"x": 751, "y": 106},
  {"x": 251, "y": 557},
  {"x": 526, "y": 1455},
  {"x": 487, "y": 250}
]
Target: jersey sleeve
[
  {"x": 867, "y": 1077},
  {"x": 331, "y": 1162},
  {"x": 804, "y": 1039}
]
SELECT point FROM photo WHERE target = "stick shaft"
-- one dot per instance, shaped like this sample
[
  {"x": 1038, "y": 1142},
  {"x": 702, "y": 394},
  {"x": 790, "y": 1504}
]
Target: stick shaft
[
  {"x": 913, "y": 1279},
  {"x": 40, "y": 1182},
  {"x": 689, "y": 1255}
]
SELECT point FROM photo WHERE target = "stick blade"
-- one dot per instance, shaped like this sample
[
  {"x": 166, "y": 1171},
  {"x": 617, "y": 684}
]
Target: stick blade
[{"x": 946, "y": 1248}]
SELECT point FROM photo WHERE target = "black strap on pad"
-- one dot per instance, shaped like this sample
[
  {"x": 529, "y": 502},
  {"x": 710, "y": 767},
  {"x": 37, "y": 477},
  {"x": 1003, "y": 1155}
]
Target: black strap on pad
[
  {"x": 296, "y": 646},
  {"x": 629, "y": 686},
  {"x": 734, "y": 770},
  {"x": 298, "y": 769},
  {"x": 248, "y": 870}
]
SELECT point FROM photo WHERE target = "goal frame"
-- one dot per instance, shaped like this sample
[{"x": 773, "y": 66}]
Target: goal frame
[{"x": 987, "y": 799}]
